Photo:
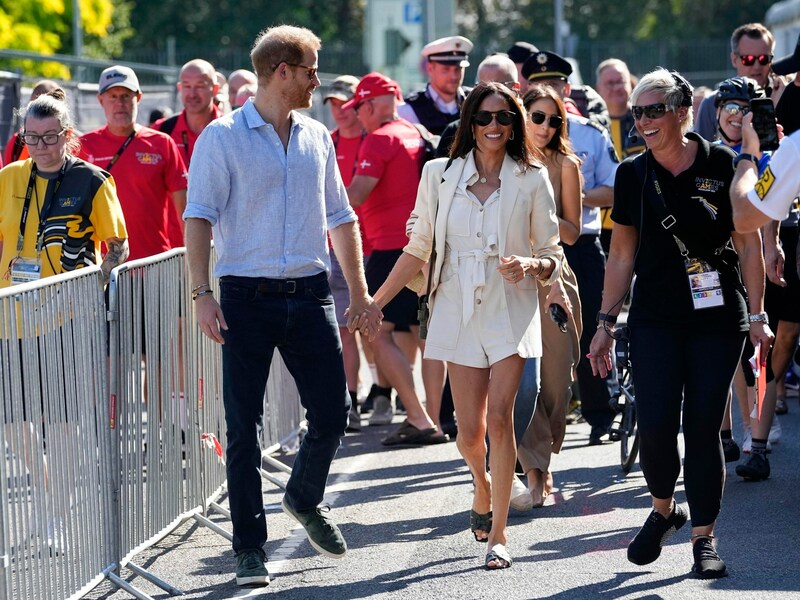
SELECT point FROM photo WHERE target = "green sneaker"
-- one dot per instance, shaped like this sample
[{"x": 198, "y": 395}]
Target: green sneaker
[
  {"x": 250, "y": 568},
  {"x": 323, "y": 534}
]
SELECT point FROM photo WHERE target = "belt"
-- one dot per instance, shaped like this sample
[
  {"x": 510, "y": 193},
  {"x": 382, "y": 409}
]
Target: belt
[
  {"x": 264, "y": 285},
  {"x": 471, "y": 268}
]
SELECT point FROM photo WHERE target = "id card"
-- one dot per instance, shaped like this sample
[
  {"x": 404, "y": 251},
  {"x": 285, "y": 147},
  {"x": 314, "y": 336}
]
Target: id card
[
  {"x": 24, "y": 270},
  {"x": 704, "y": 284}
]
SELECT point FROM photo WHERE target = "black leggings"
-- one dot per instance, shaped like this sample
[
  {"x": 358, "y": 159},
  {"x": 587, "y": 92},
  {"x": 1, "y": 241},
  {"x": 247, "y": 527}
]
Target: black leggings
[{"x": 671, "y": 365}]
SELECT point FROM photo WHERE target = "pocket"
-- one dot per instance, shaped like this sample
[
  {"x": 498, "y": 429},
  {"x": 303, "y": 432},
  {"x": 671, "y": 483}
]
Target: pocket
[
  {"x": 459, "y": 219},
  {"x": 321, "y": 292}
]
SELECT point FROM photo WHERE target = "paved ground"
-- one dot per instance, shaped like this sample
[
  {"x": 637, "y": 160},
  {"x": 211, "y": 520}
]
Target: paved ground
[{"x": 404, "y": 514}]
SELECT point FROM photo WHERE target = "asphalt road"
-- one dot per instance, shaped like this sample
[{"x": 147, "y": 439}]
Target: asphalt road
[{"x": 404, "y": 512}]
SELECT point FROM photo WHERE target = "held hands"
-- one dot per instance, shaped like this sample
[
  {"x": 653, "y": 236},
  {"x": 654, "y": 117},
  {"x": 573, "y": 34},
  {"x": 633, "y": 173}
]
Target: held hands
[
  {"x": 600, "y": 352},
  {"x": 513, "y": 268},
  {"x": 365, "y": 316},
  {"x": 210, "y": 318}
]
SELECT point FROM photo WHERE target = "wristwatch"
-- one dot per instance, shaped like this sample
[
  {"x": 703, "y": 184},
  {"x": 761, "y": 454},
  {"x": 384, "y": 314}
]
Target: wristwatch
[
  {"x": 759, "y": 318},
  {"x": 744, "y": 156},
  {"x": 603, "y": 317}
]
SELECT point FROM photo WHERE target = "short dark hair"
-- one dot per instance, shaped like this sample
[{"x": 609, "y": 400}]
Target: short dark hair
[
  {"x": 751, "y": 30},
  {"x": 520, "y": 148}
]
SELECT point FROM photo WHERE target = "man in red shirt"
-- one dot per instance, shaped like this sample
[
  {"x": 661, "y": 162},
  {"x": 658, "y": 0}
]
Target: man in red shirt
[
  {"x": 146, "y": 165},
  {"x": 384, "y": 186},
  {"x": 197, "y": 87}
]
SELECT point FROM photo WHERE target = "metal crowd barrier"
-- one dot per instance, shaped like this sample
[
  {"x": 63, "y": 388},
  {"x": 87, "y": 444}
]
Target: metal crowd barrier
[
  {"x": 56, "y": 515},
  {"x": 113, "y": 425}
]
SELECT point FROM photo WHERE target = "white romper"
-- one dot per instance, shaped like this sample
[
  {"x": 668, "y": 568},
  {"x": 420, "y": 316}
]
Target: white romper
[{"x": 469, "y": 324}]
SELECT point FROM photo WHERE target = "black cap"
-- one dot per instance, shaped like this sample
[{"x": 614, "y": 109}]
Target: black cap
[
  {"x": 520, "y": 51},
  {"x": 788, "y": 64},
  {"x": 546, "y": 65}
]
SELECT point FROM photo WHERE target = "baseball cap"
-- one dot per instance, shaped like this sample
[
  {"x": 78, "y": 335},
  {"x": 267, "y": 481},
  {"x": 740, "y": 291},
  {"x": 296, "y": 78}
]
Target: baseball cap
[
  {"x": 788, "y": 64},
  {"x": 371, "y": 86},
  {"x": 343, "y": 88},
  {"x": 118, "y": 76}
]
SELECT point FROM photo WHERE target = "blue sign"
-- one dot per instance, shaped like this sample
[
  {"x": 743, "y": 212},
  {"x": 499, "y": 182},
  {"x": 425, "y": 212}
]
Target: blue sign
[{"x": 412, "y": 12}]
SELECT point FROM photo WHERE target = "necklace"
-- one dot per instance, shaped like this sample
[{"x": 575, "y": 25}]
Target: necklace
[{"x": 482, "y": 179}]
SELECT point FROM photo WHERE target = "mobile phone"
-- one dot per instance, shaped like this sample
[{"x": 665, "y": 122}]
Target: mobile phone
[
  {"x": 764, "y": 123},
  {"x": 559, "y": 317}
]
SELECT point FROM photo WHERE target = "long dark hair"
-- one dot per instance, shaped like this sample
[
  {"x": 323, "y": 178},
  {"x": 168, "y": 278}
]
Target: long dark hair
[
  {"x": 520, "y": 148},
  {"x": 560, "y": 140}
]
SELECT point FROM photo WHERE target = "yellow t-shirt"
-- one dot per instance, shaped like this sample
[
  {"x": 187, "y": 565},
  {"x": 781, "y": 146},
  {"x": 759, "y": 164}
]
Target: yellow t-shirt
[{"x": 84, "y": 212}]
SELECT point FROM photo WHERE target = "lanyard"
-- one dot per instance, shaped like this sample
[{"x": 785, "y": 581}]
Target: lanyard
[
  {"x": 185, "y": 137},
  {"x": 45, "y": 209},
  {"x": 125, "y": 144}
]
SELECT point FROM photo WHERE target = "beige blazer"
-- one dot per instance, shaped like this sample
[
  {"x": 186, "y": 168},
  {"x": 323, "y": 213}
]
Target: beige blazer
[{"x": 528, "y": 227}]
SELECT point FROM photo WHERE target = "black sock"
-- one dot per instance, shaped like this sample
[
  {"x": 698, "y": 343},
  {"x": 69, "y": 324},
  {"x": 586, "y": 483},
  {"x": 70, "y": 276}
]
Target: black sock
[
  {"x": 353, "y": 398},
  {"x": 759, "y": 446},
  {"x": 384, "y": 391},
  {"x": 726, "y": 434}
]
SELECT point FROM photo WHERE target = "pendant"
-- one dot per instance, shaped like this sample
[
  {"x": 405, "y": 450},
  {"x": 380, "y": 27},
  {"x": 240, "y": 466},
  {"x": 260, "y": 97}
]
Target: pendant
[{"x": 482, "y": 179}]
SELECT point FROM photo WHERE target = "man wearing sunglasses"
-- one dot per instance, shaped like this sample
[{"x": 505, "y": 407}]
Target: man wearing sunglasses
[
  {"x": 272, "y": 201},
  {"x": 440, "y": 102},
  {"x": 752, "y": 46},
  {"x": 599, "y": 162}
]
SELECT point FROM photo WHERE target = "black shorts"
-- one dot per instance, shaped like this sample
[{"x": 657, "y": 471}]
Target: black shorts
[
  {"x": 783, "y": 303},
  {"x": 402, "y": 310}
]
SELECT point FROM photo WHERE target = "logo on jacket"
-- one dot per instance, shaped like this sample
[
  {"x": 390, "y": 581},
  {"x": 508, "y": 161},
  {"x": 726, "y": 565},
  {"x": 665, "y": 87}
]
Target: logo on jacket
[
  {"x": 708, "y": 185},
  {"x": 765, "y": 182}
]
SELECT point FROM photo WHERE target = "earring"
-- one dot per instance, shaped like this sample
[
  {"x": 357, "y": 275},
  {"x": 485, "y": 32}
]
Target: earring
[{"x": 511, "y": 137}]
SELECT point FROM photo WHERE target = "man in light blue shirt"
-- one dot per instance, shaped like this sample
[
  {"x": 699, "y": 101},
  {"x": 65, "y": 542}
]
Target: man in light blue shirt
[{"x": 265, "y": 179}]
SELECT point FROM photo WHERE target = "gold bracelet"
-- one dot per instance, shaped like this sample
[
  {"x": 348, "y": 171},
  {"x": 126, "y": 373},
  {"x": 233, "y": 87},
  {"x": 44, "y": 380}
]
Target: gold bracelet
[
  {"x": 197, "y": 287},
  {"x": 541, "y": 269},
  {"x": 196, "y": 295}
]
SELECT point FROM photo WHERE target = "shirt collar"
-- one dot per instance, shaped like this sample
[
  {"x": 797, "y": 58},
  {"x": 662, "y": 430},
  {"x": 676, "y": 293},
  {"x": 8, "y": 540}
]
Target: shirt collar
[
  {"x": 449, "y": 107},
  {"x": 254, "y": 120},
  {"x": 470, "y": 175}
]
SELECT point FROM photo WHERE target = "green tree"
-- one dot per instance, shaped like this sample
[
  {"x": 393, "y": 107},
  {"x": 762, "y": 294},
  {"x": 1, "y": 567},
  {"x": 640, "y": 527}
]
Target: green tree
[{"x": 45, "y": 26}]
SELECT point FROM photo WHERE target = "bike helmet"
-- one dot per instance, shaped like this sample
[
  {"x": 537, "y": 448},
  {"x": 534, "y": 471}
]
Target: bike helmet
[{"x": 737, "y": 88}]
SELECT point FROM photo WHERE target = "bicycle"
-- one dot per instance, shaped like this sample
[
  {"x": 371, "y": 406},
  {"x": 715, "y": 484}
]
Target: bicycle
[{"x": 625, "y": 428}]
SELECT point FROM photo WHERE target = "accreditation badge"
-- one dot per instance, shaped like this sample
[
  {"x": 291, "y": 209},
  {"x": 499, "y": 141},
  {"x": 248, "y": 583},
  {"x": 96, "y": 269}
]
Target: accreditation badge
[
  {"x": 24, "y": 270},
  {"x": 704, "y": 284}
]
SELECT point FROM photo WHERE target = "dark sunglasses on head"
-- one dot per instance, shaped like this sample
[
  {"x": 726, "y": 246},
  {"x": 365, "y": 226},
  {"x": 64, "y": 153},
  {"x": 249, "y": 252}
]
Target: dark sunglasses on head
[
  {"x": 554, "y": 121},
  {"x": 651, "y": 111},
  {"x": 484, "y": 117},
  {"x": 749, "y": 59},
  {"x": 734, "y": 109}
]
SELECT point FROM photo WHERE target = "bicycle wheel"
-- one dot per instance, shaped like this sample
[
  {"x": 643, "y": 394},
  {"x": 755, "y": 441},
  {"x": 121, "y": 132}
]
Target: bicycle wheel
[{"x": 628, "y": 436}]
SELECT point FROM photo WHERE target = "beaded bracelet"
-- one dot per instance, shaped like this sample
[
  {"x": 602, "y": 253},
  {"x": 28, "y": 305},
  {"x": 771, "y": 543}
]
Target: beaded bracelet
[{"x": 196, "y": 295}]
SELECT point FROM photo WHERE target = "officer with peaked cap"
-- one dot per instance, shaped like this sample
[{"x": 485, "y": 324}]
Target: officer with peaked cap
[{"x": 440, "y": 103}]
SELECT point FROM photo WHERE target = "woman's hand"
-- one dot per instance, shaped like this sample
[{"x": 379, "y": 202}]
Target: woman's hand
[
  {"x": 513, "y": 268},
  {"x": 600, "y": 352},
  {"x": 760, "y": 333},
  {"x": 558, "y": 295}
]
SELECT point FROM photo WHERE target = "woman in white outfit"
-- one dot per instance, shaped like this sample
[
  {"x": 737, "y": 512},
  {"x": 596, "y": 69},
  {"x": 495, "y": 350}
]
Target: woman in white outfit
[{"x": 491, "y": 212}]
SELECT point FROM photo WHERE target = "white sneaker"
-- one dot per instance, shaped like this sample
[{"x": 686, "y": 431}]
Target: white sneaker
[
  {"x": 382, "y": 411},
  {"x": 775, "y": 431},
  {"x": 521, "y": 499},
  {"x": 353, "y": 420}
]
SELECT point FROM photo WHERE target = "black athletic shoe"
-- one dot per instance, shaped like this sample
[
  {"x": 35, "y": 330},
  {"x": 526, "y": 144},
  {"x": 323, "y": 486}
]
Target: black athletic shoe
[
  {"x": 707, "y": 563},
  {"x": 731, "y": 450},
  {"x": 369, "y": 401},
  {"x": 646, "y": 546},
  {"x": 755, "y": 468}
]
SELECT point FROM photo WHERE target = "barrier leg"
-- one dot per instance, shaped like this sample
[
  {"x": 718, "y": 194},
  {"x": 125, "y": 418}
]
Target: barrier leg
[
  {"x": 155, "y": 580},
  {"x": 213, "y": 527},
  {"x": 122, "y": 584}
]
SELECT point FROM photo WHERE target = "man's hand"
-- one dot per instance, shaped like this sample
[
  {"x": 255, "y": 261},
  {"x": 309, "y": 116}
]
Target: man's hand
[
  {"x": 365, "y": 316},
  {"x": 210, "y": 318},
  {"x": 774, "y": 260}
]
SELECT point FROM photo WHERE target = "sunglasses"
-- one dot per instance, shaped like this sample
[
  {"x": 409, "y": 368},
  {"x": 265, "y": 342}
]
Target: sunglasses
[
  {"x": 734, "y": 109},
  {"x": 484, "y": 117},
  {"x": 748, "y": 60},
  {"x": 554, "y": 121},
  {"x": 311, "y": 71},
  {"x": 651, "y": 111}
]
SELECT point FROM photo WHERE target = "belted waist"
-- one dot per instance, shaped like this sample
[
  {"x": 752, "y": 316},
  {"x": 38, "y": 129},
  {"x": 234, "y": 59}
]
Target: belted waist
[
  {"x": 265, "y": 285},
  {"x": 471, "y": 268}
]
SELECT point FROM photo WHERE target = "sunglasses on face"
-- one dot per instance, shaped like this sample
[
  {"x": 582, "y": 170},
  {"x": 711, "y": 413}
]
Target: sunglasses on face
[
  {"x": 734, "y": 109},
  {"x": 748, "y": 60},
  {"x": 484, "y": 117},
  {"x": 310, "y": 71},
  {"x": 651, "y": 111},
  {"x": 538, "y": 117}
]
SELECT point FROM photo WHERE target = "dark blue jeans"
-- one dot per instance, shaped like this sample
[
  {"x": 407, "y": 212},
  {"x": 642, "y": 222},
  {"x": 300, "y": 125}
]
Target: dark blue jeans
[{"x": 296, "y": 317}]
